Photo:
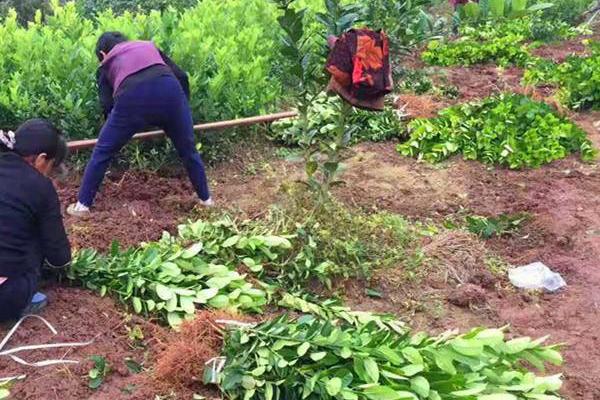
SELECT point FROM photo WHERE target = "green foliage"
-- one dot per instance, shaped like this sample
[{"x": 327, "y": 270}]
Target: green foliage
[
  {"x": 25, "y": 9},
  {"x": 4, "y": 390},
  {"x": 377, "y": 358},
  {"x": 89, "y": 8},
  {"x": 503, "y": 43},
  {"x": 98, "y": 372},
  {"x": 473, "y": 12},
  {"x": 407, "y": 22},
  {"x": 569, "y": 11},
  {"x": 291, "y": 248},
  {"x": 229, "y": 48},
  {"x": 578, "y": 78},
  {"x": 487, "y": 227},
  {"x": 332, "y": 243},
  {"x": 170, "y": 277},
  {"x": 322, "y": 157},
  {"x": 508, "y": 129},
  {"x": 466, "y": 51},
  {"x": 322, "y": 118}
]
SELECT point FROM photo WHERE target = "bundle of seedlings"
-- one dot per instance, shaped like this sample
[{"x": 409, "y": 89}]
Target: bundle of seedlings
[
  {"x": 197, "y": 267},
  {"x": 507, "y": 129},
  {"x": 310, "y": 357}
]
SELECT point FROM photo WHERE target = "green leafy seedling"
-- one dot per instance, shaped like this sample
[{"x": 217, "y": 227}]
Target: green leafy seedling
[{"x": 99, "y": 372}]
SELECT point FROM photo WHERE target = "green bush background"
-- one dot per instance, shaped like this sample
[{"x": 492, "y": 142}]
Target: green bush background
[{"x": 229, "y": 48}]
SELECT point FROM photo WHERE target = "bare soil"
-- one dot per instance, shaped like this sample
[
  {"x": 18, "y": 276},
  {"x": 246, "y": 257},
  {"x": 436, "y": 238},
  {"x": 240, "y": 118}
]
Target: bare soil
[{"x": 563, "y": 199}]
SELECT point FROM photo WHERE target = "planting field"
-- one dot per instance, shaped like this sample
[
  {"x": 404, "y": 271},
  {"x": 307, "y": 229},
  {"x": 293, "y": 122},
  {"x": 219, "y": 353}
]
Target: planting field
[{"x": 484, "y": 160}]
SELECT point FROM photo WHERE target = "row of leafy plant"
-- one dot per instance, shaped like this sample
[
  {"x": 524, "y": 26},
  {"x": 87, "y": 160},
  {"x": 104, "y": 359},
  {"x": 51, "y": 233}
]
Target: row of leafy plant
[
  {"x": 503, "y": 43},
  {"x": 237, "y": 64},
  {"x": 26, "y": 9},
  {"x": 322, "y": 123},
  {"x": 577, "y": 78},
  {"x": 366, "y": 356},
  {"x": 47, "y": 69},
  {"x": 507, "y": 129}
]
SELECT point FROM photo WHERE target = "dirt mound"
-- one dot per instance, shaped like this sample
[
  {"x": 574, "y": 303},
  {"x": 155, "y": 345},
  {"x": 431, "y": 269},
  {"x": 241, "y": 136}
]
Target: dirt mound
[
  {"x": 468, "y": 295},
  {"x": 416, "y": 106},
  {"x": 129, "y": 208},
  {"x": 480, "y": 81}
]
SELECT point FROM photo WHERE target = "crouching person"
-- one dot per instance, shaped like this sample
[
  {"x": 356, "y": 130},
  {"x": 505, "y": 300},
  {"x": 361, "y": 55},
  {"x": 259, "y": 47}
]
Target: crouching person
[{"x": 32, "y": 234}]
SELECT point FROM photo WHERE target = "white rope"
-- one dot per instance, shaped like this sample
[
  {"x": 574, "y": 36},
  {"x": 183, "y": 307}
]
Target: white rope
[
  {"x": 10, "y": 353},
  {"x": 217, "y": 366},
  {"x": 13, "y": 378},
  {"x": 19, "y": 322},
  {"x": 234, "y": 323},
  {"x": 40, "y": 364}
]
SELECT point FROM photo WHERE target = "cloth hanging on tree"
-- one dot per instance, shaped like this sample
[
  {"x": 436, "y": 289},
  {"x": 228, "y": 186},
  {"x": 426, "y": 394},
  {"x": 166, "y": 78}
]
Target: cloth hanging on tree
[{"x": 359, "y": 64}]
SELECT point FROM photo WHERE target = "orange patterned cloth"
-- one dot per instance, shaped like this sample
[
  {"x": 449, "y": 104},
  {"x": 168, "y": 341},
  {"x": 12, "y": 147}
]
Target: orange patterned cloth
[{"x": 359, "y": 64}]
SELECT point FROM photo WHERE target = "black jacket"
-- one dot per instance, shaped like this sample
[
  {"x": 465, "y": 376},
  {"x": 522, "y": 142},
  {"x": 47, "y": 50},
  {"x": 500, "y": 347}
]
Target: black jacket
[
  {"x": 105, "y": 89},
  {"x": 31, "y": 224}
]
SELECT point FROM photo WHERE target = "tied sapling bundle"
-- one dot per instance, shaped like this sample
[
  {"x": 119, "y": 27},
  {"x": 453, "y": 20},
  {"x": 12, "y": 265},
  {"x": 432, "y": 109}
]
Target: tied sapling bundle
[
  {"x": 379, "y": 359},
  {"x": 197, "y": 267},
  {"x": 507, "y": 129}
]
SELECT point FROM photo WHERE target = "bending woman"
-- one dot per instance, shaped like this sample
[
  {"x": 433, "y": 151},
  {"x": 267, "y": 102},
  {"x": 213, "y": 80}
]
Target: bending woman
[
  {"x": 139, "y": 86},
  {"x": 31, "y": 226}
]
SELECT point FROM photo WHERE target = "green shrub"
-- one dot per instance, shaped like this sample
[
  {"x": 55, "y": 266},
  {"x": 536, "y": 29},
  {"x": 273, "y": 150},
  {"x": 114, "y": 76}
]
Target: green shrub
[
  {"x": 406, "y": 22},
  {"x": 578, "y": 79},
  {"x": 25, "y": 9},
  {"x": 48, "y": 68},
  {"x": 569, "y": 11},
  {"x": 503, "y": 43},
  {"x": 508, "y": 129},
  {"x": 322, "y": 118},
  {"x": 333, "y": 242},
  {"x": 229, "y": 48},
  {"x": 90, "y": 8}
]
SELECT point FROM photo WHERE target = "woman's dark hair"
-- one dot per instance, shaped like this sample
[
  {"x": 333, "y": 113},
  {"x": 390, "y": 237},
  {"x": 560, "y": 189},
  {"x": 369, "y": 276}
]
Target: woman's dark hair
[
  {"x": 34, "y": 137},
  {"x": 107, "y": 41}
]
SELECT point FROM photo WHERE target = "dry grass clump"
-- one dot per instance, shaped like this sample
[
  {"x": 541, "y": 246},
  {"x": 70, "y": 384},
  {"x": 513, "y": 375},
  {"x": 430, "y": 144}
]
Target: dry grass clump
[{"x": 457, "y": 255}]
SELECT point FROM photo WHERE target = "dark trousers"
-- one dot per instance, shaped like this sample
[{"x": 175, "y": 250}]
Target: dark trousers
[
  {"x": 15, "y": 296},
  {"x": 157, "y": 102}
]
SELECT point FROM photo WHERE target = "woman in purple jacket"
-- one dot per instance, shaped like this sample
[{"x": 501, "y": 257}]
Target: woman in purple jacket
[{"x": 139, "y": 86}]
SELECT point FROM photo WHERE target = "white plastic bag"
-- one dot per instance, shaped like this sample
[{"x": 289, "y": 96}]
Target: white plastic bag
[{"x": 536, "y": 276}]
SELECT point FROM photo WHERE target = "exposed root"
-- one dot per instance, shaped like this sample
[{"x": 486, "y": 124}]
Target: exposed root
[
  {"x": 458, "y": 256},
  {"x": 180, "y": 365}
]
